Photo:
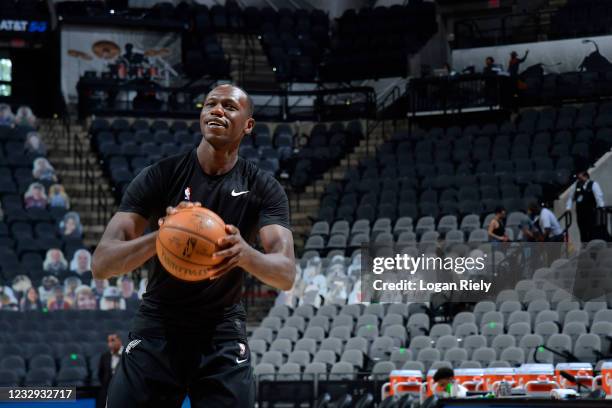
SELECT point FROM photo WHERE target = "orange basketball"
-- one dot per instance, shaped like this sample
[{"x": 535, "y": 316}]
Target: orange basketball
[{"x": 186, "y": 241}]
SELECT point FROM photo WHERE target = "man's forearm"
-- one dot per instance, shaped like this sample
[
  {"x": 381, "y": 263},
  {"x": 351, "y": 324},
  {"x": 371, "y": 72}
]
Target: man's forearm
[
  {"x": 116, "y": 257},
  {"x": 275, "y": 269}
]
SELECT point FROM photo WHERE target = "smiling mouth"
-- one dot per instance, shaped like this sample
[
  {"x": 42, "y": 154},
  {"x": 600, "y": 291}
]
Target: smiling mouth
[{"x": 215, "y": 124}]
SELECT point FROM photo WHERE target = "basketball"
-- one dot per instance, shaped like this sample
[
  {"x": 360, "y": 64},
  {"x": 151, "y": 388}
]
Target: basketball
[{"x": 186, "y": 242}]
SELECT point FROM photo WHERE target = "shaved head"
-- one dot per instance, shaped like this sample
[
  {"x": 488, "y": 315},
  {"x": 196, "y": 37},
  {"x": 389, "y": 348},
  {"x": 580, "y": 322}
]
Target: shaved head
[{"x": 250, "y": 105}]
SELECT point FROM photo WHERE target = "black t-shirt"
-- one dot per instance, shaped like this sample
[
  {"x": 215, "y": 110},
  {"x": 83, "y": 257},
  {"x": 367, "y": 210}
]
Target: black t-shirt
[{"x": 245, "y": 197}]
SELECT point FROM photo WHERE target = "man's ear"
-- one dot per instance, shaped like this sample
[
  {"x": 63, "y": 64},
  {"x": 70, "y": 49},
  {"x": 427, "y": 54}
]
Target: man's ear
[{"x": 248, "y": 126}]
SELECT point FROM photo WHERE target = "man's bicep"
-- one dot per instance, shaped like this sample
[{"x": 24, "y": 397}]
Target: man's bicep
[
  {"x": 276, "y": 239},
  {"x": 125, "y": 226}
]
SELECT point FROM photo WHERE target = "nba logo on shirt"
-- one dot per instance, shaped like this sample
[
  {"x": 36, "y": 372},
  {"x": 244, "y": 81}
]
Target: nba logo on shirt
[{"x": 188, "y": 194}]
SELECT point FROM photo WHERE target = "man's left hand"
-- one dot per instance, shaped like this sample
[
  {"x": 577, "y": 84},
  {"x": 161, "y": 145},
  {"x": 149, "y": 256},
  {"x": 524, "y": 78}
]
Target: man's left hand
[{"x": 236, "y": 252}]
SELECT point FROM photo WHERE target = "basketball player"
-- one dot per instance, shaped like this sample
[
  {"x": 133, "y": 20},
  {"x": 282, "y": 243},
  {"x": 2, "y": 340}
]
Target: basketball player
[{"x": 189, "y": 338}]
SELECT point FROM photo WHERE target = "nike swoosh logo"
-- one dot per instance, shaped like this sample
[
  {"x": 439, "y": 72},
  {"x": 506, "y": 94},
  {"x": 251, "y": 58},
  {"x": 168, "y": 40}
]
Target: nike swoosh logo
[
  {"x": 239, "y": 193},
  {"x": 240, "y": 361}
]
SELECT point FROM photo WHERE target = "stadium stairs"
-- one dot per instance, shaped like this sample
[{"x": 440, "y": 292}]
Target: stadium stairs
[
  {"x": 304, "y": 206},
  {"x": 249, "y": 66},
  {"x": 69, "y": 161}
]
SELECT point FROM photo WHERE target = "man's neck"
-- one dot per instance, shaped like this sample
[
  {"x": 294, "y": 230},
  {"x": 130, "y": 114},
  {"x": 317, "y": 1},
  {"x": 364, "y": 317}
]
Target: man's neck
[{"x": 216, "y": 162}]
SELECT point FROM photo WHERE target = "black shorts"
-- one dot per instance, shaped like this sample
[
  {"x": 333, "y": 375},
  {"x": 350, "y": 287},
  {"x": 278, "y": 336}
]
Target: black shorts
[{"x": 214, "y": 371}]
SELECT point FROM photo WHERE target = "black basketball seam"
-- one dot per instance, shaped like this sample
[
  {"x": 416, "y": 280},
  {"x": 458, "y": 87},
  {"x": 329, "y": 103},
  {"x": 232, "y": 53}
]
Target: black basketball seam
[
  {"x": 193, "y": 263},
  {"x": 192, "y": 233}
]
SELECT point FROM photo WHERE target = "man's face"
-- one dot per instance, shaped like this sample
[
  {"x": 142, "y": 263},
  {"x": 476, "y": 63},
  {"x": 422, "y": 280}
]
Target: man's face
[
  {"x": 582, "y": 177},
  {"x": 502, "y": 214},
  {"x": 489, "y": 61},
  {"x": 37, "y": 193},
  {"x": 55, "y": 255},
  {"x": 225, "y": 117},
  {"x": 114, "y": 343}
]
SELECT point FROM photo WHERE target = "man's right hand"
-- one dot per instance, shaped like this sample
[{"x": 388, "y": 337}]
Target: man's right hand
[{"x": 173, "y": 210}]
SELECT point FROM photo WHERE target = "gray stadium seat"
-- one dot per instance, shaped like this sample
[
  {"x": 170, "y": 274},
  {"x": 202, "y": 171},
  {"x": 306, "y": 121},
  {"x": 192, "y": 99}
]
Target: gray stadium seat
[
  {"x": 306, "y": 344},
  {"x": 491, "y": 330},
  {"x": 561, "y": 343},
  {"x": 518, "y": 330},
  {"x": 341, "y": 332},
  {"x": 328, "y": 310},
  {"x": 484, "y": 356},
  {"x": 72, "y": 376},
  {"x": 588, "y": 347},
  {"x": 513, "y": 355},
  {"x": 283, "y": 346},
  {"x": 9, "y": 378},
  {"x": 272, "y": 357},
  {"x": 325, "y": 356},
  {"x": 315, "y": 369},
  {"x": 15, "y": 364},
  {"x": 391, "y": 319},
  {"x": 342, "y": 370},
  {"x": 574, "y": 329},
  {"x": 300, "y": 357},
  {"x": 604, "y": 330},
  {"x": 439, "y": 330},
  {"x": 520, "y": 316},
  {"x": 400, "y": 356},
  {"x": 264, "y": 372},
  {"x": 369, "y": 332},
  {"x": 354, "y": 357},
  {"x": 428, "y": 356},
  {"x": 469, "y": 223},
  {"x": 456, "y": 356},
  {"x": 333, "y": 344},
  {"x": 315, "y": 333},
  {"x": 481, "y": 308},
  {"x": 376, "y": 309},
  {"x": 564, "y": 306},
  {"x": 319, "y": 321},
  {"x": 264, "y": 334},
  {"x": 381, "y": 348},
  {"x": 418, "y": 324},
  {"x": 290, "y": 333},
  {"x": 297, "y": 322},
  {"x": 534, "y": 294},
  {"x": 466, "y": 329},
  {"x": 289, "y": 372},
  {"x": 592, "y": 307},
  {"x": 603, "y": 316},
  {"x": 414, "y": 365},
  {"x": 439, "y": 364},
  {"x": 499, "y": 364},
  {"x": 473, "y": 343},
  {"x": 546, "y": 316},
  {"x": 353, "y": 310},
  {"x": 367, "y": 320},
  {"x": 419, "y": 343},
  {"x": 546, "y": 329},
  {"x": 305, "y": 311},
  {"x": 397, "y": 332},
  {"x": 280, "y": 311},
  {"x": 463, "y": 317},
  {"x": 357, "y": 343},
  {"x": 343, "y": 320},
  {"x": 382, "y": 369},
  {"x": 398, "y": 308},
  {"x": 470, "y": 364},
  {"x": 508, "y": 307},
  {"x": 446, "y": 342},
  {"x": 39, "y": 377},
  {"x": 502, "y": 342}
]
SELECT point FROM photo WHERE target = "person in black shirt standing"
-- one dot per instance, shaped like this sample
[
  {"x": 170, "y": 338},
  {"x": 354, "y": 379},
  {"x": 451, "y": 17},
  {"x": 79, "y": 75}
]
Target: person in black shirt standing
[
  {"x": 588, "y": 197},
  {"x": 497, "y": 226},
  {"x": 190, "y": 338}
]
